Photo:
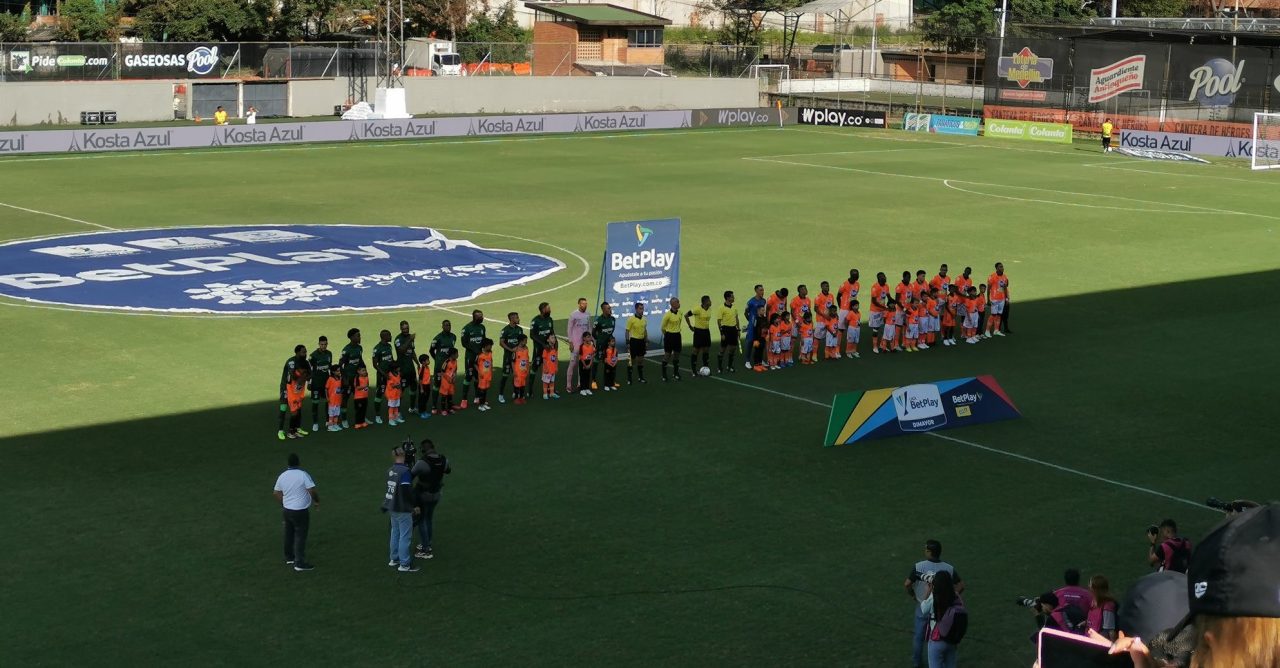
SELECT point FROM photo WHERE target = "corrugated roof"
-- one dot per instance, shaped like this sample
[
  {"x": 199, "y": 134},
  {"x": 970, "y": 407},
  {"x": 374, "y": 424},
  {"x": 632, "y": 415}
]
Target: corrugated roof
[
  {"x": 599, "y": 14},
  {"x": 823, "y": 7}
]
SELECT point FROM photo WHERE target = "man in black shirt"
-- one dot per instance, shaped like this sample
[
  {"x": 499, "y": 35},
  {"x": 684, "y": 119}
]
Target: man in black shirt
[{"x": 428, "y": 480}]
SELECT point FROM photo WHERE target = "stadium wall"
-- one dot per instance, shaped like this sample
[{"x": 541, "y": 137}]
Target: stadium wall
[{"x": 40, "y": 103}]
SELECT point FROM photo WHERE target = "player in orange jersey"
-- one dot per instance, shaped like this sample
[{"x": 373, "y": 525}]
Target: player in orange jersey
[
  {"x": 831, "y": 333},
  {"x": 484, "y": 374},
  {"x": 912, "y": 335},
  {"x": 941, "y": 282},
  {"x": 587, "y": 355},
  {"x": 847, "y": 293},
  {"x": 333, "y": 394},
  {"x": 880, "y": 313},
  {"x": 777, "y": 302},
  {"x": 424, "y": 386},
  {"x": 775, "y": 340},
  {"x": 822, "y": 303},
  {"x": 295, "y": 391},
  {"x": 998, "y": 292},
  {"x": 800, "y": 305},
  {"x": 610, "y": 371},
  {"x": 448, "y": 382},
  {"x": 393, "y": 391},
  {"x": 550, "y": 364},
  {"x": 520, "y": 369},
  {"x": 805, "y": 332},
  {"x": 852, "y": 329}
]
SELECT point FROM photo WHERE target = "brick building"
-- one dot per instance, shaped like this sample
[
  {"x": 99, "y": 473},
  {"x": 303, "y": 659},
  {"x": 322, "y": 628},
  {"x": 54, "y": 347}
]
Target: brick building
[{"x": 592, "y": 39}]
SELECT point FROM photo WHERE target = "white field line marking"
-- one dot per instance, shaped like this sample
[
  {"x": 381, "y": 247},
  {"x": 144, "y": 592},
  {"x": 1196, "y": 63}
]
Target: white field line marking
[
  {"x": 875, "y": 150},
  {"x": 871, "y": 135},
  {"x": 938, "y": 179},
  {"x": 985, "y": 448},
  {"x": 376, "y": 144},
  {"x": 586, "y": 269},
  {"x": 1121, "y": 168},
  {"x": 54, "y": 215},
  {"x": 947, "y": 183}
]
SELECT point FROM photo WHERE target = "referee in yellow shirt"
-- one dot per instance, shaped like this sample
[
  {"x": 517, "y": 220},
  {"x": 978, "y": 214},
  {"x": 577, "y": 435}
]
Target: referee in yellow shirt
[
  {"x": 730, "y": 328},
  {"x": 671, "y": 341},
  {"x": 699, "y": 320},
  {"x": 637, "y": 342}
]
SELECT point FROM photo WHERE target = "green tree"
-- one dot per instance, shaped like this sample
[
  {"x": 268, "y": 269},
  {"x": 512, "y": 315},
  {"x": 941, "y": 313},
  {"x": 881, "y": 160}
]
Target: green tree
[
  {"x": 743, "y": 19},
  {"x": 1154, "y": 8},
  {"x": 84, "y": 21},
  {"x": 13, "y": 27},
  {"x": 963, "y": 25},
  {"x": 203, "y": 20}
]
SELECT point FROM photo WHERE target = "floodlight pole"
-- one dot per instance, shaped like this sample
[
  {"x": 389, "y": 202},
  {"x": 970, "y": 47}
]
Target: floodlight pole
[
  {"x": 874, "y": 34},
  {"x": 1113, "y": 8},
  {"x": 1004, "y": 13}
]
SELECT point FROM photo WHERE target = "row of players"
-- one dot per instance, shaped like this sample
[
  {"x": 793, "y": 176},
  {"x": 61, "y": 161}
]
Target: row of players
[{"x": 909, "y": 317}]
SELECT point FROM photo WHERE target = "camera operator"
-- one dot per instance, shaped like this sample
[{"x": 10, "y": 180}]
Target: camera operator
[
  {"x": 1169, "y": 552},
  {"x": 402, "y": 506},
  {"x": 1050, "y": 613},
  {"x": 428, "y": 480},
  {"x": 1071, "y": 593}
]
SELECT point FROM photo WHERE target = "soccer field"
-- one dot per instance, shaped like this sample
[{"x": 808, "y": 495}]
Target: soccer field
[{"x": 693, "y": 524}]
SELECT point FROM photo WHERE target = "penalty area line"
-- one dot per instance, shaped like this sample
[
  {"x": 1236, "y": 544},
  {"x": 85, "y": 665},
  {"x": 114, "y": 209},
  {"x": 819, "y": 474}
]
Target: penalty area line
[
  {"x": 55, "y": 215},
  {"x": 985, "y": 448}
]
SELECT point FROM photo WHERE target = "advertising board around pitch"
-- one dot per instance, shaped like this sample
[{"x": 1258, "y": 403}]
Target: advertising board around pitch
[
  {"x": 894, "y": 411},
  {"x": 641, "y": 265},
  {"x": 844, "y": 118},
  {"x": 1058, "y": 133}
]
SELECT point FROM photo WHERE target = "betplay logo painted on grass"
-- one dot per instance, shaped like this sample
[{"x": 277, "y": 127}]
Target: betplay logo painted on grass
[
  {"x": 272, "y": 269},
  {"x": 894, "y": 411}
]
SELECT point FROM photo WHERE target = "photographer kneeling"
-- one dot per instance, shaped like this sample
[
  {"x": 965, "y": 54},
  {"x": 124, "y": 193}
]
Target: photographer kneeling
[
  {"x": 1051, "y": 614},
  {"x": 1168, "y": 552}
]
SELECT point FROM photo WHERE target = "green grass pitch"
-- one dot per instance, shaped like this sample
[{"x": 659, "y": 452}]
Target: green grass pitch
[{"x": 699, "y": 524}]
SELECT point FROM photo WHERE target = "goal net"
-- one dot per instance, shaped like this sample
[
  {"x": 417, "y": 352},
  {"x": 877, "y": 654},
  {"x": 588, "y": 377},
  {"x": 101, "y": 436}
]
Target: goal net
[
  {"x": 1266, "y": 141},
  {"x": 769, "y": 76}
]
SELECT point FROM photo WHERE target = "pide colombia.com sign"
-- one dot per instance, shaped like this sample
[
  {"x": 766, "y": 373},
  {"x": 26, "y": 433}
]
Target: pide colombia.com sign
[
  {"x": 261, "y": 269},
  {"x": 128, "y": 139}
]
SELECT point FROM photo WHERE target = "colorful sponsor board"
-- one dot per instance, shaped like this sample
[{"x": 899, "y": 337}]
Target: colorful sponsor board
[
  {"x": 1092, "y": 121},
  {"x": 261, "y": 269},
  {"x": 641, "y": 266},
  {"x": 894, "y": 411},
  {"x": 141, "y": 139},
  {"x": 1058, "y": 133},
  {"x": 1025, "y": 68},
  {"x": 742, "y": 117},
  {"x": 940, "y": 124},
  {"x": 1220, "y": 147},
  {"x": 1117, "y": 78},
  {"x": 842, "y": 117}
]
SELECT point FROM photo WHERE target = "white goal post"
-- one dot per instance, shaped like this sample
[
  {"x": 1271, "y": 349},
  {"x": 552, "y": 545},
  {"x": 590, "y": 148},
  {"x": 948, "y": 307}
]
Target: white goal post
[
  {"x": 771, "y": 74},
  {"x": 1266, "y": 141}
]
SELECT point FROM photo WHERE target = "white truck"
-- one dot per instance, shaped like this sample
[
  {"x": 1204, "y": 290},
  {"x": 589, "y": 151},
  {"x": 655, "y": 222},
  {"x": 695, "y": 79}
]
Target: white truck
[{"x": 444, "y": 59}]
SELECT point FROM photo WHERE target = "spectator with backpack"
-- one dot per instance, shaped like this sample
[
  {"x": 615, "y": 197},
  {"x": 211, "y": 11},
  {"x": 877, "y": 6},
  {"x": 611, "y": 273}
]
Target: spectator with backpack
[
  {"x": 948, "y": 620},
  {"x": 1169, "y": 552},
  {"x": 428, "y": 481},
  {"x": 917, "y": 587}
]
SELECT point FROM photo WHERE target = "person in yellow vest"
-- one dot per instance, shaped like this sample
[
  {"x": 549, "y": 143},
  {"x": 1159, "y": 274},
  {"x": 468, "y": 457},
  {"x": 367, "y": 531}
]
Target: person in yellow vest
[
  {"x": 220, "y": 116},
  {"x": 1107, "y": 129}
]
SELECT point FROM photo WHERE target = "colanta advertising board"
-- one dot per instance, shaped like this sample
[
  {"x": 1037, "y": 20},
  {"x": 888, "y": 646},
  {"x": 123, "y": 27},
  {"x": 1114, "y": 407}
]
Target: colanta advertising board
[
  {"x": 1059, "y": 133},
  {"x": 261, "y": 269},
  {"x": 894, "y": 411}
]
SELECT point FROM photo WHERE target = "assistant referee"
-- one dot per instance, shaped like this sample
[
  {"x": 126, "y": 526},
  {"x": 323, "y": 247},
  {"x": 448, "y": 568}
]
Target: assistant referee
[
  {"x": 672, "y": 342},
  {"x": 730, "y": 329},
  {"x": 637, "y": 342}
]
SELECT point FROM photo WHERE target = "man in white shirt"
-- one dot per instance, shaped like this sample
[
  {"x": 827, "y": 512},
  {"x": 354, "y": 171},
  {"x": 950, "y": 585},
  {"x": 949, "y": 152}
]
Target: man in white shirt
[
  {"x": 579, "y": 326},
  {"x": 917, "y": 586},
  {"x": 296, "y": 492}
]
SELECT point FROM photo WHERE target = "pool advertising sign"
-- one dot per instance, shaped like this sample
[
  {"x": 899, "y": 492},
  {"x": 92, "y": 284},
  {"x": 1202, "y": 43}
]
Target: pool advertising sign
[
  {"x": 261, "y": 269},
  {"x": 894, "y": 411},
  {"x": 641, "y": 264}
]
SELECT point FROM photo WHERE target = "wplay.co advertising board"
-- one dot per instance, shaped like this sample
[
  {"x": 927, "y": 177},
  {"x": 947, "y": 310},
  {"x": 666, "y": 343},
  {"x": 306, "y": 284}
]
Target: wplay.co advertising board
[
  {"x": 1058, "y": 133},
  {"x": 940, "y": 124},
  {"x": 844, "y": 118},
  {"x": 261, "y": 269},
  {"x": 641, "y": 264},
  {"x": 945, "y": 404}
]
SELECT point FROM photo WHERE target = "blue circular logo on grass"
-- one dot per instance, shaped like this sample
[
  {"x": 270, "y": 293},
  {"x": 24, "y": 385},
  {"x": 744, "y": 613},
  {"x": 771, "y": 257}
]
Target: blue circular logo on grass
[{"x": 261, "y": 269}]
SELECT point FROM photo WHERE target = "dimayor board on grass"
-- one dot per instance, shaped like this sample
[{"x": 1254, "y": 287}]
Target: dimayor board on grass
[{"x": 893, "y": 411}]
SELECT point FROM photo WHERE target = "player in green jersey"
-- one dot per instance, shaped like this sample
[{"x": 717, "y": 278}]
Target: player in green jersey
[
  {"x": 541, "y": 327},
  {"x": 406, "y": 359},
  {"x": 602, "y": 330},
  {"x": 508, "y": 339},
  {"x": 292, "y": 367},
  {"x": 473, "y": 336},
  {"x": 350, "y": 363},
  {"x": 441, "y": 346},
  {"x": 384, "y": 357},
  {"x": 321, "y": 359}
]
